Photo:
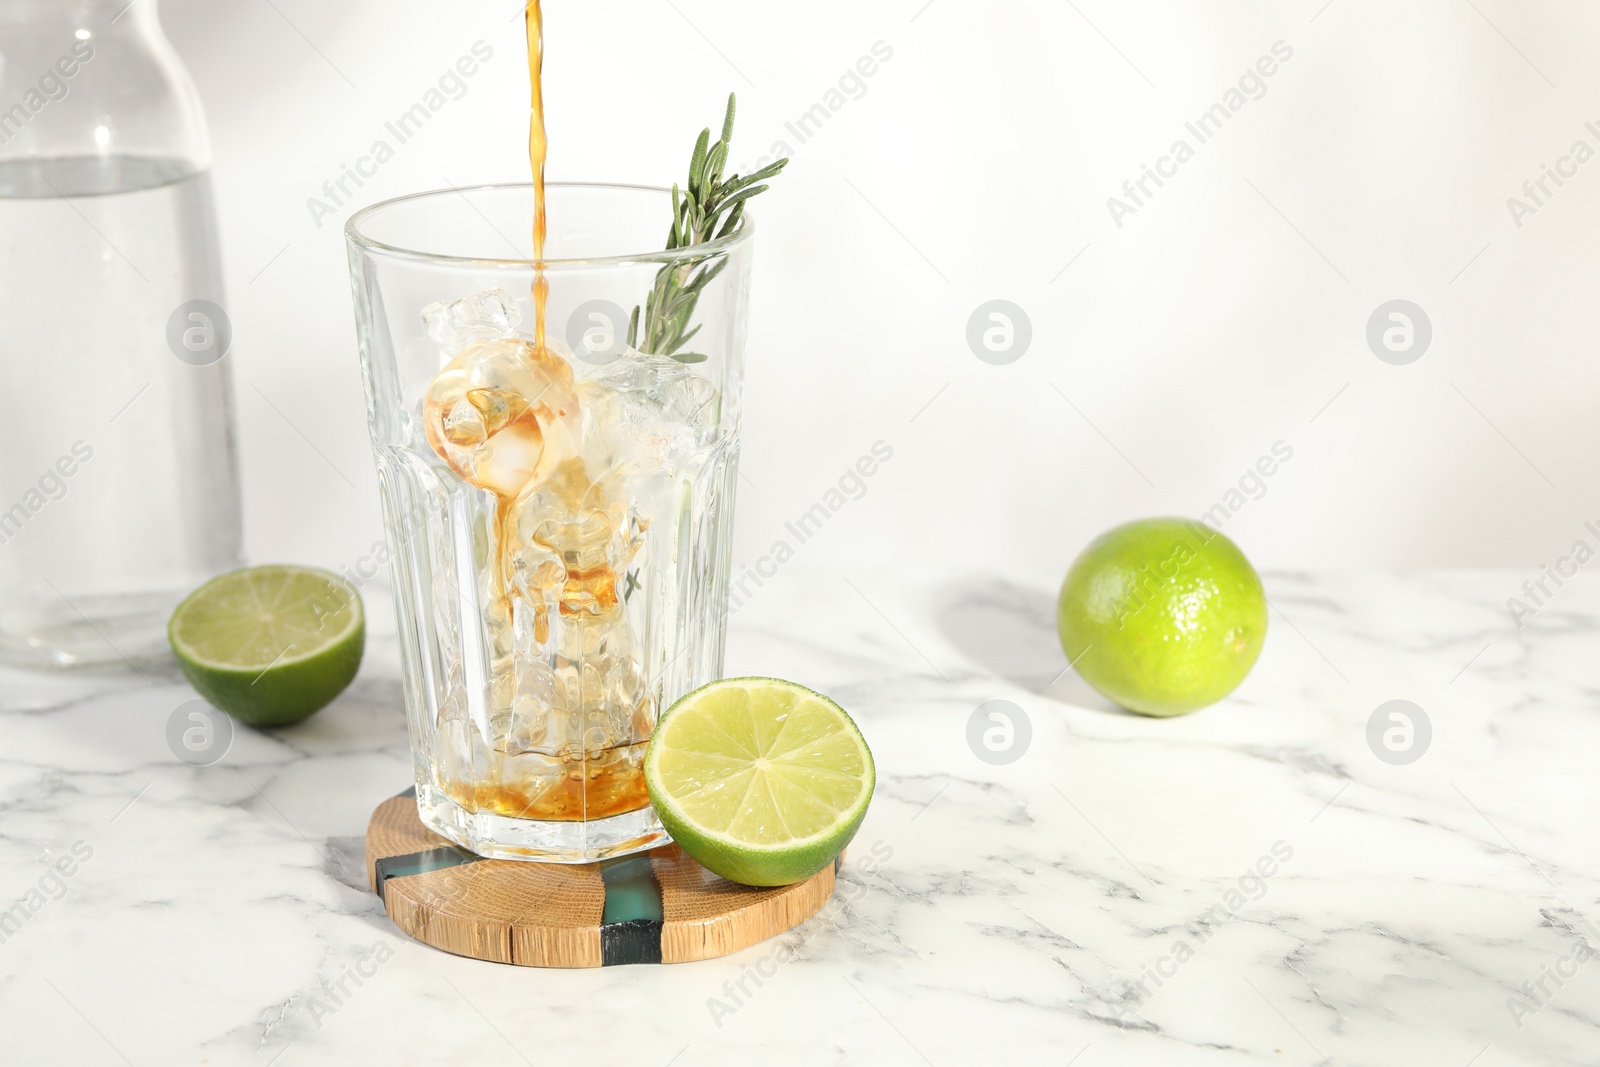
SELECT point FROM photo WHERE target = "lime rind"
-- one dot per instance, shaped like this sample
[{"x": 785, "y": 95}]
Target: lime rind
[{"x": 1162, "y": 616}]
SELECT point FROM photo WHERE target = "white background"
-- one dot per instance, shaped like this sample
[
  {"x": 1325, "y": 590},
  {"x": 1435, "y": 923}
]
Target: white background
[{"x": 1168, "y": 354}]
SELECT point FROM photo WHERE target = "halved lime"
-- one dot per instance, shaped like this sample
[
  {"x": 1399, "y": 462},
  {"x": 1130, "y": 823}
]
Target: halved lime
[
  {"x": 270, "y": 645},
  {"x": 759, "y": 780}
]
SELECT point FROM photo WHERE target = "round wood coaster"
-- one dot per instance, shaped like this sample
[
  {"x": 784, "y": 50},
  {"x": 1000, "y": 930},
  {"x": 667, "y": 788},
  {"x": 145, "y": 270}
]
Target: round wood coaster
[{"x": 652, "y": 907}]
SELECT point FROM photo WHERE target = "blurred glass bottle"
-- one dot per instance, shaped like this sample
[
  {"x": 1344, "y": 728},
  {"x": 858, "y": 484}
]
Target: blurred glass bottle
[{"x": 118, "y": 482}]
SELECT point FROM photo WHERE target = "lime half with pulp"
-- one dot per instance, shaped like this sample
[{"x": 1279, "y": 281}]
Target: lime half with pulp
[
  {"x": 270, "y": 645},
  {"x": 759, "y": 780}
]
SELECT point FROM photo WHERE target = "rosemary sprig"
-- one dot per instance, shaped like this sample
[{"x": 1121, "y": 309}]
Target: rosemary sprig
[{"x": 707, "y": 208}]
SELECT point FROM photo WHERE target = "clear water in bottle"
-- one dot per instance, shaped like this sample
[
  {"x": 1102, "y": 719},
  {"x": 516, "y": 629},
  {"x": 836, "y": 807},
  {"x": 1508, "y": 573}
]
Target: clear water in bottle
[{"x": 118, "y": 484}]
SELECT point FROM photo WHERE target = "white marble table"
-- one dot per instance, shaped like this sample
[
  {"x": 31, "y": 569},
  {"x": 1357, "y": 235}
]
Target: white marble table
[{"x": 990, "y": 913}]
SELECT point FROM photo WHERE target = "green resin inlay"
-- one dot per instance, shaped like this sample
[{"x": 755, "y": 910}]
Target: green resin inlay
[
  {"x": 631, "y": 890},
  {"x": 435, "y": 859}
]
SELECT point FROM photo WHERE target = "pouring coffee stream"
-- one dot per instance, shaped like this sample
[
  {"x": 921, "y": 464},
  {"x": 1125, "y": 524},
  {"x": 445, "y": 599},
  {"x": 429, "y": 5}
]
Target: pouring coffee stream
[{"x": 567, "y": 705}]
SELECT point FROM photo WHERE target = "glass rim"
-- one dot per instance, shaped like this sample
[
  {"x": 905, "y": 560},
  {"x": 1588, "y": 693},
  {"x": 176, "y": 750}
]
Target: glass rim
[{"x": 354, "y": 235}]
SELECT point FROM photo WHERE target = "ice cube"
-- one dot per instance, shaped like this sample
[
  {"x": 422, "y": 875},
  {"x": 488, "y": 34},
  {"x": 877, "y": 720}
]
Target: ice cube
[
  {"x": 641, "y": 418},
  {"x": 538, "y": 576},
  {"x": 570, "y": 539},
  {"x": 530, "y": 712},
  {"x": 484, "y": 316},
  {"x": 503, "y": 414},
  {"x": 657, "y": 390}
]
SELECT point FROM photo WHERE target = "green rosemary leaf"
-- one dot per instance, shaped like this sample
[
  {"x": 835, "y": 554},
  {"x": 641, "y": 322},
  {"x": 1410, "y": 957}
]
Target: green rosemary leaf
[
  {"x": 706, "y": 276},
  {"x": 741, "y": 196},
  {"x": 727, "y": 121},
  {"x": 732, "y": 221},
  {"x": 679, "y": 342},
  {"x": 697, "y": 162},
  {"x": 714, "y": 163},
  {"x": 736, "y": 182}
]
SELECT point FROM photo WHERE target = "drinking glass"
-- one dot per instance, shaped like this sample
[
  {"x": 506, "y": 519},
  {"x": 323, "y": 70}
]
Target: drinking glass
[{"x": 558, "y": 517}]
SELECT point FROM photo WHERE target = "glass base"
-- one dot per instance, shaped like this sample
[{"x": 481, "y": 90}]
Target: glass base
[
  {"x": 91, "y": 631},
  {"x": 498, "y": 837}
]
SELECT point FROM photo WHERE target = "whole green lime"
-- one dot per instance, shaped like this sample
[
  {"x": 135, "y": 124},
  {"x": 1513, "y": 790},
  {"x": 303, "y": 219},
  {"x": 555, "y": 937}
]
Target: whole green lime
[
  {"x": 1163, "y": 616},
  {"x": 270, "y": 645}
]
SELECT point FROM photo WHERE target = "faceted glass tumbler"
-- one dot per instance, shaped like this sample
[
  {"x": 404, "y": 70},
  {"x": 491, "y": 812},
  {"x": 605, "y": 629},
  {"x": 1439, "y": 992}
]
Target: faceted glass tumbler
[{"x": 558, "y": 514}]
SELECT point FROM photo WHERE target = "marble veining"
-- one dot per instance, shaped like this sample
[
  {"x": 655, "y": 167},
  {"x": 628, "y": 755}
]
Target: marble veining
[{"x": 1248, "y": 884}]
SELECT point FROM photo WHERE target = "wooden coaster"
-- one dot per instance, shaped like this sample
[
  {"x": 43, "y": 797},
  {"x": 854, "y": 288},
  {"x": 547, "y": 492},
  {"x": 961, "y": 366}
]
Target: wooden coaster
[{"x": 651, "y": 907}]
